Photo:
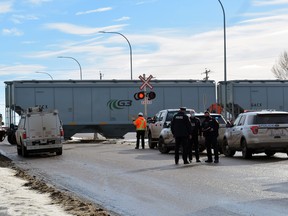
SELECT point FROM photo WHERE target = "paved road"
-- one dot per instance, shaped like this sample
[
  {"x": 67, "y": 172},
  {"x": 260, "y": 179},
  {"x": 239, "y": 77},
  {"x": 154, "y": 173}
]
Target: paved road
[{"x": 145, "y": 182}]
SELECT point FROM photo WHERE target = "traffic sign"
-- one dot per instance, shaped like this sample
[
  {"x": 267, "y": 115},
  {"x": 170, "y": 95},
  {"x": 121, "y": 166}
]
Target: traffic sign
[{"x": 145, "y": 81}]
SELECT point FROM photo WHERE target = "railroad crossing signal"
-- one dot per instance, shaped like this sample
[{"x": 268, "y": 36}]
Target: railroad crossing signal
[
  {"x": 145, "y": 81},
  {"x": 141, "y": 95},
  {"x": 151, "y": 95}
]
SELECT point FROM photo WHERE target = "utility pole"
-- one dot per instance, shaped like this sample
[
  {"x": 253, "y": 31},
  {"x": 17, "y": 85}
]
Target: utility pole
[
  {"x": 101, "y": 75},
  {"x": 206, "y": 74}
]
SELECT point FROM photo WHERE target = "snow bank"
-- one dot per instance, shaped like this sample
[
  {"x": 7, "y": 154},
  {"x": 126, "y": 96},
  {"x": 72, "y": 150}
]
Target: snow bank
[{"x": 18, "y": 200}]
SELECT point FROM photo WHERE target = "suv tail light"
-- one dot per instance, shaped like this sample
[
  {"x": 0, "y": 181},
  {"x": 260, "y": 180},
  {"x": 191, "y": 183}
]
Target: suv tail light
[
  {"x": 254, "y": 129},
  {"x": 24, "y": 136}
]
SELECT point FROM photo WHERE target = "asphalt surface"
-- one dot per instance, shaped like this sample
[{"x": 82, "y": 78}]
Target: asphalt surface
[{"x": 146, "y": 182}]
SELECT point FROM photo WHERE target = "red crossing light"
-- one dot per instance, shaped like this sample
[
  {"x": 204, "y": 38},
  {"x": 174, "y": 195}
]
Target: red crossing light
[{"x": 139, "y": 95}]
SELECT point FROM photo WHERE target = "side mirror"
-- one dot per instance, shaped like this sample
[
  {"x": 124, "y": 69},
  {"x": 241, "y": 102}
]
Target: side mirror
[
  {"x": 229, "y": 124},
  {"x": 151, "y": 120},
  {"x": 166, "y": 125},
  {"x": 2, "y": 123}
]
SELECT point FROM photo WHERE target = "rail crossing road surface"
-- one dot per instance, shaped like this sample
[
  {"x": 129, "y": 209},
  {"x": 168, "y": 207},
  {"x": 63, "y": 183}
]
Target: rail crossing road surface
[{"x": 145, "y": 182}]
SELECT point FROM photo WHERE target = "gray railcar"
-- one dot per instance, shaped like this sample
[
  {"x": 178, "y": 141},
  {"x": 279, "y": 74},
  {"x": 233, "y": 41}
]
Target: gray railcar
[
  {"x": 254, "y": 95},
  {"x": 104, "y": 106}
]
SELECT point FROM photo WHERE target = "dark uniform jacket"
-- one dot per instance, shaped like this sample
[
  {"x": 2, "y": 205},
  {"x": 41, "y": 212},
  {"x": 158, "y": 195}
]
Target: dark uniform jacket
[
  {"x": 210, "y": 127},
  {"x": 196, "y": 126},
  {"x": 180, "y": 125}
]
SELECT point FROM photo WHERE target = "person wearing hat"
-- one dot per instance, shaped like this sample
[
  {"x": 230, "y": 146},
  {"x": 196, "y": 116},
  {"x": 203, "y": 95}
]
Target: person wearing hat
[
  {"x": 140, "y": 124},
  {"x": 181, "y": 129},
  {"x": 195, "y": 132},
  {"x": 210, "y": 128}
]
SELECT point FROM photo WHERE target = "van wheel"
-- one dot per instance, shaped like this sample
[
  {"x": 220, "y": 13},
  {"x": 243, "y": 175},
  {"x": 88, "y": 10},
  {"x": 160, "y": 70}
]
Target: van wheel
[
  {"x": 269, "y": 153},
  {"x": 24, "y": 151},
  {"x": 59, "y": 152},
  {"x": 246, "y": 153},
  {"x": 12, "y": 139},
  {"x": 151, "y": 144},
  {"x": 161, "y": 146},
  {"x": 227, "y": 151},
  {"x": 2, "y": 137}
]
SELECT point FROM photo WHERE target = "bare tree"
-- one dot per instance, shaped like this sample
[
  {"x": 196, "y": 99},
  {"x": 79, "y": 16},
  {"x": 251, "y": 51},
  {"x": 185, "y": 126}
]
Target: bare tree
[{"x": 280, "y": 68}]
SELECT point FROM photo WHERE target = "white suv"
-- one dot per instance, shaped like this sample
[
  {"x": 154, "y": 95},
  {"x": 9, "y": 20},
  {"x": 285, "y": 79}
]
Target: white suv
[{"x": 257, "y": 132}]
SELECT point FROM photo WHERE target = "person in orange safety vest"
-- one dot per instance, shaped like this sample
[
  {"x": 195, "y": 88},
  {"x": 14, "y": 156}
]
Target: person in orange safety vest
[{"x": 140, "y": 124}]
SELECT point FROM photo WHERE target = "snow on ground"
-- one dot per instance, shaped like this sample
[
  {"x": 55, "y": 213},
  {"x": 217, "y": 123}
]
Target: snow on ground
[{"x": 18, "y": 200}]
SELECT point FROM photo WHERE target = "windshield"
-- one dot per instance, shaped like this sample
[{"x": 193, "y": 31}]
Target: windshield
[
  {"x": 270, "y": 119},
  {"x": 172, "y": 113},
  {"x": 219, "y": 118}
]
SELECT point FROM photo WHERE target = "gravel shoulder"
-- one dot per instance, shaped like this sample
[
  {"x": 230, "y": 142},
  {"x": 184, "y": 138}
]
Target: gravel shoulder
[{"x": 69, "y": 202}]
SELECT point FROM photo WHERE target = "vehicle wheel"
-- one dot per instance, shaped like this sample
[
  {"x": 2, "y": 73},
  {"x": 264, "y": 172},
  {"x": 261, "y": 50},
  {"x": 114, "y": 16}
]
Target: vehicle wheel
[
  {"x": 24, "y": 151},
  {"x": 12, "y": 139},
  {"x": 161, "y": 146},
  {"x": 226, "y": 150},
  {"x": 59, "y": 151},
  {"x": 19, "y": 150},
  {"x": 151, "y": 144},
  {"x": 2, "y": 137},
  {"x": 269, "y": 153},
  {"x": 246, "y": 153}
]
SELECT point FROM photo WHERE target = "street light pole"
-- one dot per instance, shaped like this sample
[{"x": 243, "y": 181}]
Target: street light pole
[
  {"x": 44, "y": 73},
  {"x": 74, "y": 60},
  {"x": 225, "y": 65},
  {"x": 129, "y": 47}
]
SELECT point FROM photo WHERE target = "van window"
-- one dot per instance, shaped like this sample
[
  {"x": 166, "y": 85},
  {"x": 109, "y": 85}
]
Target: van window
[{"x": 270, "y": 119}]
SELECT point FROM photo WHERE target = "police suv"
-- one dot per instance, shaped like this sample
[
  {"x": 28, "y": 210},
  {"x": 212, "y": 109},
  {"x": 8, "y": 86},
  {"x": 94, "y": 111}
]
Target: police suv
[{"x": 255, "y": 132}]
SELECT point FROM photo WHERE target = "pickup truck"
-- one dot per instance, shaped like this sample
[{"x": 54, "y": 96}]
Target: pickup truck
[
  {"x": 39, "y": 131},
  {"x": 159, "y": 132},
  {"x": 155, "y": 125}
]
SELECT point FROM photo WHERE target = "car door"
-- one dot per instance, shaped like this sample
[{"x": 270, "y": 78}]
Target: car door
[
  {"x": 158, "y": 125},
  {"x": 237, "y": 132},
  {"x": 20, "y": 130}
]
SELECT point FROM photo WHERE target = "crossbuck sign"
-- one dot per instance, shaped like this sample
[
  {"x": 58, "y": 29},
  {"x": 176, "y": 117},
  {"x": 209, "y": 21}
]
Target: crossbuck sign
[{"x": 145, "y": 81}]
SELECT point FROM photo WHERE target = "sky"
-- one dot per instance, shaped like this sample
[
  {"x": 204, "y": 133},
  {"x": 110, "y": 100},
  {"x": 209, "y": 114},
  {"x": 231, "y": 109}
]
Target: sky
[{"x": 169, "y": 39}]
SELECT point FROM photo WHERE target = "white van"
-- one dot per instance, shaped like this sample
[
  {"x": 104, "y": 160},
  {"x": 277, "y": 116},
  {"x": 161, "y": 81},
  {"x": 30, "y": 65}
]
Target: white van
[{"x": 39, "y": 131}]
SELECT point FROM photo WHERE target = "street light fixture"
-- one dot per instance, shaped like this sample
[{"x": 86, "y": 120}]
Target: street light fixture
[
  {"x": 44, "y": 73},
  {"x": 129, "y": 47},
  {"x": 225, "y": 65},
  {"x": 74, "y": 60}
]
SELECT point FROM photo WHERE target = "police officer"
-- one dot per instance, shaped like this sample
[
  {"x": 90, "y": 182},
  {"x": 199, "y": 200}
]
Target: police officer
[
  {"x": 181, "y": 129},
  {"x": 210, "y": 128},
  {"x": 140, "y": 124},
  {"x": 195, "y": 132}
]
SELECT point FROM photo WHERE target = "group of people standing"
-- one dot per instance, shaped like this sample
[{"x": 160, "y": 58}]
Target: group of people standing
[{"x": 186, "y": 131}]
